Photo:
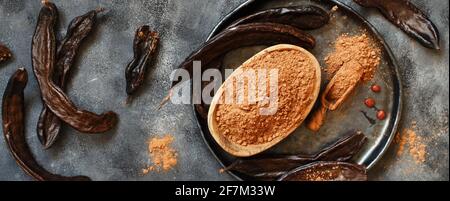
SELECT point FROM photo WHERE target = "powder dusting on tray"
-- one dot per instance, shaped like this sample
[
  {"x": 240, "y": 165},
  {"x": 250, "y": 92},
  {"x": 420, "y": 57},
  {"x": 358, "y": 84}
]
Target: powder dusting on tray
[
  {"x": 163, "y": 156},
  {"x": 412, "y": 143},
  {"x": 359, "y": 48}
]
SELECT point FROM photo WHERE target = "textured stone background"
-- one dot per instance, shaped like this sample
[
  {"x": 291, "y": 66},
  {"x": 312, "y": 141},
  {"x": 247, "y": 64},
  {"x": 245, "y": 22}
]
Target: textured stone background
[{"x": 98, "y": 79}]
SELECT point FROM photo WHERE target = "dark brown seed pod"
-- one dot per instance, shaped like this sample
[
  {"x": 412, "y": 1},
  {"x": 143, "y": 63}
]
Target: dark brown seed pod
[
  {"x": 43, "y": 59},
  {"x": 246, "y": 35},
  {"x": 302, "y": 17},
  {"x": 327, "y": 171},
  {"x": 270, "y": 167},
  {"x": 13, "y": 114},
  {"x": 144, "y": 47},
  {"x": 49, "y": 124},
  {"x": 408, "y": 18},
  {"x": 5, "y": 53}
]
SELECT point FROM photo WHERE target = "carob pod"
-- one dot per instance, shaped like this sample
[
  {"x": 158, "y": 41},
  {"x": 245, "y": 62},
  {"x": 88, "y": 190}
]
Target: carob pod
[
  {"x": 144, "y": 48},
  {"x": 5, "y": 53},
  {"x": 43, "y": 60},
  {"x": 302, "y": 17},
  {"x": 270, "y": 167},
  {"x": 49, "y": 124},
  {"x": 327, "y": 171},
  {"x": 13, "y": 113},
  {"x": 407, "y": 17},
  {"x": 246, "y": 35}
]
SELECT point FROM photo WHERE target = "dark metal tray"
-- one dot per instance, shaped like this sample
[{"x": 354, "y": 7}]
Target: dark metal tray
[{"x": 349, "y": 116}]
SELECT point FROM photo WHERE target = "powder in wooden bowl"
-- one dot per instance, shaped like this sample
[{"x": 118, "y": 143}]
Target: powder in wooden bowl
[
  {"x": 297, "y": 86},
  {"x": 163, "y": 156},
  {"x": 359, "y": 48}
]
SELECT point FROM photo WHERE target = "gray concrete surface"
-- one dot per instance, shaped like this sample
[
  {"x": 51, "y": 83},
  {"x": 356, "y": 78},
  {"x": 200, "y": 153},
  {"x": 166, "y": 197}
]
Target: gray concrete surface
[{"x": 98, "y": 84}]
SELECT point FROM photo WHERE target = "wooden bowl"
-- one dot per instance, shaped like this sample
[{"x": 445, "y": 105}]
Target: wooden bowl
[{"x": 240, "y": 150}]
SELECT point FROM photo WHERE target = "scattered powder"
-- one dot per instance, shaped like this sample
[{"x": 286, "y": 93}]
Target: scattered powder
[
  {"x": 163, "y": 156},
  {"x": 408, "y": 138},
  {"x": 359, "y": 48},
  {"x": 243, "y": 124}
]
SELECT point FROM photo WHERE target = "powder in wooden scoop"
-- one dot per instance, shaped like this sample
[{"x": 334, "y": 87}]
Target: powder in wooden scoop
[
  {"x": 359, "y": 48},
  {"x": 242, "y": 123},
  {"x": 163, "y": 156}
]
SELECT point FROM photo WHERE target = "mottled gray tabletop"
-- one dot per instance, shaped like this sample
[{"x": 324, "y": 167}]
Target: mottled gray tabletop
[{"x": 98, "y": 85}]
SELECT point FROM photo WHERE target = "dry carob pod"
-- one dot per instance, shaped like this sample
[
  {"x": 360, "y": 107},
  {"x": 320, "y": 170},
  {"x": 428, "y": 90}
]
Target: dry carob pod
[
  {"x": 5, "y": 53},
  {"x": 327, "y": 171},
  {"x": 44, "y": 61},
  {"x": 144, "y": 48},
  {"x": 13, "y": 114},
  {"x": 408, "y": 18},
  {"x": 49, "y": 124},
  {"x": 270, "y": 167},
  {"x": 246, "y": 35},
  {"x": 302, "y": 17}
]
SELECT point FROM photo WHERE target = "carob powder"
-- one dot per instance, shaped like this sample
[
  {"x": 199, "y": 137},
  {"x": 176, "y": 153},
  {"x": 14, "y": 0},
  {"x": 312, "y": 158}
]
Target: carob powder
[
  {"x": 243, "y": 124},
  {"x": 163, "y": 156},
  {"x": 359, "y": 48}
]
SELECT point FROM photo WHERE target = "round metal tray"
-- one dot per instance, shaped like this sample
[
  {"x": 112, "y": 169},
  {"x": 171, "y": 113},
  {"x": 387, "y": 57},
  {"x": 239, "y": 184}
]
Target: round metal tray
[{"x": 349, "y": 116}]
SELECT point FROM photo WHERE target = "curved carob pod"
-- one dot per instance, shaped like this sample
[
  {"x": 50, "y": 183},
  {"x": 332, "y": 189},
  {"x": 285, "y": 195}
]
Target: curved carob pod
[
  {"x": 302, "y": 17},
  {"x": 246, "y": 35},
  {"x": 13, "y": 113},
  {"x": 144, "y": 48},
  {"x": 327, "y": 171},
  {"x": 270, "y": 167},
  {"x": 408, "y": 18},
  {"x": 43, "y": 60},
  {"x": 5, "y": 53},
  {"x": 49, "y": 124}
]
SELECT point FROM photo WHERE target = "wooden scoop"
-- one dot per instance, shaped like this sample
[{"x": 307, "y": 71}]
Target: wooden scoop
[{"x": 313, "y": 85}]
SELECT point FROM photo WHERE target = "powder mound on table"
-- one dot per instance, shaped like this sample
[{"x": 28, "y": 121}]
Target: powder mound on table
[
  {"x": 243, "y": 124},
  {"x": 163, "y": 156},
  {"x": 359, "y": 48},
  {"x": 408, "y": 138}
]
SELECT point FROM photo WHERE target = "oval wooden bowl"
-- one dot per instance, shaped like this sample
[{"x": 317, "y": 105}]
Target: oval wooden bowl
[{"x": 252, "y": 149}]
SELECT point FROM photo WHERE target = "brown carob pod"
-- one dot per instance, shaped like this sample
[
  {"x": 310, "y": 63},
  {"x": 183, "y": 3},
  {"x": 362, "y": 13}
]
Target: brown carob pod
[
  {"x": 5, "y": 53},
  {"x": 13, "y": 113},
  {"x": 408, "y": 18},
  {"x": 302, "y": 17},
  {"x": 49, "y": 124},
  {"x": 44, "y": 60},
  {"x": 270, "y": 167},
  {"x": 246, "y": 35},
  {"x": 327, "y": 171},
  {"x": 144, "y": 48}
]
